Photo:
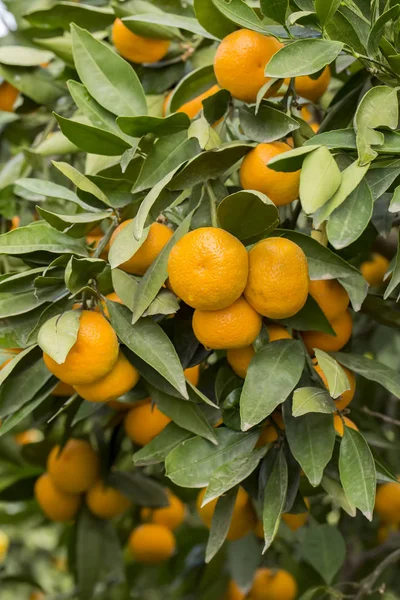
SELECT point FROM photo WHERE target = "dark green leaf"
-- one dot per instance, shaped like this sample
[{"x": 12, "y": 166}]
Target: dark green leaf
[
  {"x": 371, "y": 369},
  {"x": 325, "y": 9},
  {"x": 351, "y": 218},
  {"x": 158, "y": 126},
  {"x": 309, "y": 318},
  {"x": 92, "y": 139},
  {"x": 240, "y": 13},
  {"x": 247, "y": 214},
  {"x": 158, "y": 449},
  {"x": 220, "y": 523},
  {"x": 137, "y": 487},
  {"x": 168, "y": 20},
  {"x": 274, "y": 498},
  {"x": 324, "y": 549},
  {"x": 79, "y": 271},
  {"x": 275, "y": 10},
  {"x": 302, "y": 57},
  {"x": 395, "y": 278},
  {"x": 267, "y": 124},
  {"x": 212, "y": 19},
  {"x": 292, "y": 160},
  {"x": 378, "y": 29},
  {"x": 63, "y": 14}
]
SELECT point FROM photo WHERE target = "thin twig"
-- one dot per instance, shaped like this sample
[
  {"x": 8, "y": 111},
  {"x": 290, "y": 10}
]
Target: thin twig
[
  {"x": 369, "y": 582},
  {"x": 380, "y": 416}
]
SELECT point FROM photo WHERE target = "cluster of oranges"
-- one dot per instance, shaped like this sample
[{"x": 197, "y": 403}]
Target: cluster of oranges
[{"x": 267, "y": 584}]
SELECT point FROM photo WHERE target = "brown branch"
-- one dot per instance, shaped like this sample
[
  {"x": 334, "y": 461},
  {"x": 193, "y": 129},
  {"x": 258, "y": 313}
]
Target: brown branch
[
  {"x": 368, "y": 583},
  {"x": 380, "y": 416}
]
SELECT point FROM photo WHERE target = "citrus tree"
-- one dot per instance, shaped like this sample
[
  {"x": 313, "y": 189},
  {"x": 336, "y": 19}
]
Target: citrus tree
[{"x": 199, "y": 272}]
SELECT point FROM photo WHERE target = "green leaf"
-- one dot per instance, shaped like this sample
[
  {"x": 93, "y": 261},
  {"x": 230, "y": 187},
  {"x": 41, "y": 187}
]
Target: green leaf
[
  {"x": 395, "y": 201},
  {"x": 206, "y": 135},
  {"x": 272, "y": 375},
  {"x": 37, "y": 84},
  {"x": 378, "y": 108},
  {"x": 193, "y": 463},
  {"x": 335, "y": 490},
  {"x": 168, "y": 20},
  {"x": 92, "y": 139},
  {"x": 165, "y": 303},
  {"x": 372, "y": 370},
  {"x": 58, "y": 335},
  {"x": 244, "y": 559},
  {"x": 357, "y": 471},
  {"x": 378, "y": 29},
  {"x": 247, "y": 214},
  {"x": 275, "y": 493},
  {"x": 312, "y": 400},
  {"x": 107, "y": 76},
  {"x": 212, "y": 19},
  {"x": 336, "y": 377},
  {"x": 319, "y": 179},
  {"x": 309, "y": 318},
  {"x": 292, "y": 160},
  {"x": 81, "y": 182},
  {"x": 232, "y": 473},
  {"x": 125, "y": 245},
  {"x": 78, "y": 225},
  {"x": 311, "y": 439},
  {"x": 63, "y": 14},
  {"x": 220, "y": 523},
  {"x": 324, "y": 549},
  {"x": 148, "y": 341},
  {"x": 240, "y": 13},
  {"x": 61, "y": 46},
  {"x": 137, "y": 487},
  {"x": 79, "y": 271},
  {"x": 395, "y": 278},
  {"x": 267, "y": 124},
  {"x": 340, "y": 28},
  {"x": 38, "y": 237},
  {"x": 193, "y": 84},
  {"x": 51, "y": 190},
  {"x": 158, "y": 126},
  {"x": 158, "y": 449},
  {"x": 303, "y": 57},
  {"x": 347, "y": 222},
  {"x": 215, "y": 106},
  {"x": 185, "y": 414},
  {"x": 325, "y": 9},
  {"x": 24, "y": 56},
  {"x": 20, "y": 414},
  {"x": 275, "y": 10},
  {"x": 8, "y": 368}
]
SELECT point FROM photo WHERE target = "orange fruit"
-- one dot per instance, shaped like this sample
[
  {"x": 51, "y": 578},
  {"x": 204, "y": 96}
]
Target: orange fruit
[
  {"x": 385, "y": 531},
  {"x": 233, "y": 592},
  {"x": 271, "y": 584},
  {"x": 313, "y": 89},
  {"x": 144, "y": 422},
  {"x": 240, "y": 359},
  {"x": 330, "y": 296},
  {"x": 342, "y": 326},
  {"x": 295, "y": 521},
  {"x": 8, "y": 96},
  {"x": 269, "y": 433},
  {"x": 387, "y": 502},
  {"x": 75, "y": 469},
  {"x": 339, "y": 427},
  {"x": 277, "y": 286},
  {"x": 15, "y": 223},
  {"x": 151, "y": 544},
  {"x": 374, "y": 270},
  {"x": 57, "y": 505},
  {"x": 344, "y": 399},
  {"x": 136, "y": 48},
  {"x": 93, "y": 355},
  {"x": 277, "y": 332},
  {"x": 106, "y": 502},
  {"x": 243, "y": 518},
  {"x": 120, "y": 380},
  {"x": 240, "y": 62},
  {"x": 194, "y": 106},
  {"x": 30, "y": 436},
  {"x": 235, "y": 326},
  {"x": 208, "y": 268},
  {"x": 63, "y": 390},
  {"x": 158, "y": 237},
  {"x": 171, "y": 516},
  {"x": 192, "y": 374},
  {"x": 281, "y": 188}
]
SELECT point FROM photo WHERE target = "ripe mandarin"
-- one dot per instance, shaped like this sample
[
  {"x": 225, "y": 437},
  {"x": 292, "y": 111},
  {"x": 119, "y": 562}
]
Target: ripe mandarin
[
  {"x": 374, "y": 270},
  {"x": 144, "y": 422},
  {"x": 151, "y": 544},
  {"x": 243, "y": 517},
  {"x": 76, "y": 468},
  {"x": 106, "y": 502},
  {"x": 271, "y": 584},
  {"x": 57, "y": 505},
  {"x": 387, "y": 502},
  {"x": 313, "y": 89},
  {"x": 331, "y": 297},
  {"x": 342, "y": 326},
  {"x": 136, "y": 48},
  {"x": 171, "y": 516}
]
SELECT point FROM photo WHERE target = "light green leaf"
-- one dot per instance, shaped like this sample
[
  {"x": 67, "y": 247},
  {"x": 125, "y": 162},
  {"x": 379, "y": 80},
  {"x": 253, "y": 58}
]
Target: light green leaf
[
  {"x": 51, "y": 190},
  {"x": 247, "y": 213},
  {"x": 334, "y": 489},
  {"x": 37, "y": 84},
  {"x": 325, "y": 9},
  {"x": 395, "y": 278},
  {"x": 324, "y": 549},
  {"x": 78, "y": 225},
  {"x": 220, "y": 523},
  {"x": 24, "y": 56},
  {"x": 292, "y": 160},
  {"x": 92, "y": 139},
  {"x": 169, "y": 20},
  {"x": 351, "y": 218},
  {"x": 240, "y": 13},
  {"x": 63, "y": 14},
  {"x": 336, "y": 377},
  {"x": 274, "y": 499},
  {"x": 8, "y": 368},
  {"x": 378, "y": 29},
  {"x": 303, "y": 57},
  {"x": 158, "y": 126},
  {"x": 212, "y": 19},
  {"x": 20, "y": 414},
  {"x": 371, "y": 369},
  {"x": 81, "y": 182},
  {"x": 57, "y": 336},
  {"x": 312, "y": 400},
  {"x": 38, "y": 237},
  {"x": 267, "y": 124},
  {"x": 319, "y": 179},
  {"x": 125, "y": 245}
]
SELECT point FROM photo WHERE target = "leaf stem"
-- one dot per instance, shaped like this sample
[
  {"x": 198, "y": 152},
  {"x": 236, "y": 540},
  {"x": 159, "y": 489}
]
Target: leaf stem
[
  {"x": 213, "y": 205},
  {"x": 104, "y": 241}
]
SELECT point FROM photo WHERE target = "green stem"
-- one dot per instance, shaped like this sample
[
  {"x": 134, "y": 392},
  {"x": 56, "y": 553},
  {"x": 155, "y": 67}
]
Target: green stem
[
  {"x": 213, "y": 205},
  {"x": 104, "y": 241}
]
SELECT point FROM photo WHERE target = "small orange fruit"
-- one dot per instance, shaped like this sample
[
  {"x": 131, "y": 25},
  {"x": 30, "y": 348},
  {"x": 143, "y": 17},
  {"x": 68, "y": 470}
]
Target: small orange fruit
[
  {"x": 313, "y": 89},
  {"x": 57, "y": 505},
  {"x": 331, "y": 297},
  {"x": 269, "y": 433},
  {"x": 30, "y": 436},
  {"x": 233, "y": 592},
  {"x": 144, "y": 422},
  {"x": 171, "y": 516},
  {"x": 387, "y": 502},
  {"x": 8, "y": 96},
  {"x": 106, "y": 502},
  {"x": 344, "y": 399},
  {"x": 342, "y": 326},
  {"x": 338, "y": 424},
  {"x": 235, "y": 326},
  {"x": 192, "y": 374},
  {"x": 375, "y": 269},
  {"x": 273, "y": 585},
  {"x": 243, "y": 518},
  {"x": 208, "y": 268},
  {"x": 64, "y": 390},
  {"x": 193, "y": 107},
  {"x": 295, "y": 521},
  {"x": 136, "y": 48},
  {"x": 277, "y": 332},
  {"x": 75, "y": 469},
  {"x": 240, "y": 62},
  {"x": 151, "y": 544},
  {"x": 158, "y": 237},
  {"x": 240, "y": 359},
  {"x": 281, "y": 188},
  {"x": 277, "y": 286}
]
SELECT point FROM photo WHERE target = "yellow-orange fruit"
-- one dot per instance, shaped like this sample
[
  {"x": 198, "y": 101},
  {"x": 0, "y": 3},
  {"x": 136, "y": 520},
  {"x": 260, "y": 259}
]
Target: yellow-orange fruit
[
  {"x": 120, "y": 380},
  {"x": 192, "y": 374},
  {"x": 208, "y": 268},
  {"x": 151, "y": 543},
  {"x": 136, "y": 48},
  {"x": 277, "y": 286},
  {"x": 30, "y": 436},
  {"x": 342, "y": 326},
  {"x": 295, "y": 521},
  {"x": 57, "y": 505},
  {"x": 93, "y": 355},
  {"x": 344, "y": 399},
  {"x": 144, "y": 422},
  {"x": 281, "y": 188},
  {"x": 338, "y": 424},
  {"x": 387, "y": 502},
  {"x": 171, "y": 516},
  {"x": 375, "y": 269},
  {"x": 194, "y": 106},
  {"x": 313, "y": 89},
  {"x": 331, "y": 297},
  {"x": 63, "y": 390},
  {"x": 76, "y": 468},
  {"x": 240, "y": 62},
  {"x": 233, "y": 592},
  {"x": 8, "y": 96},
  {"x": 106, "y": 502},
  {"x": 235, "y": 326},
  {"x": 277, "y": 332},
  {"x": 269, "y": 433},
  {"x": 243, "y": 517},
  {"x": 240, "y": 359},
  {"x": 273, "y": 585}
]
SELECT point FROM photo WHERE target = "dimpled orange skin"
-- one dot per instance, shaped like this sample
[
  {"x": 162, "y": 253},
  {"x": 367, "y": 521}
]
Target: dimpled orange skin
[
  {"x": 233, "y": 592},
  {"x": 243, "y": 518},
  {"x": 235, "y": 326},
  {"x": 331, "y": 297},
  {"x": 171, "y": 516},
  {"x": 344, "y": 399},
  {"x": 281, "y": 188},
  {"x": 277, "y": 286},
  {"x": 106, "y": 502},
  {"x": 313, "y": 89},
  {"x": 387, "y": 502},
  {"x": 57, "y": 505},
  {"x": 375, "y": 269},
  {"x": 339, "y": 427},
  {"x": 192, "y": 374},
  {"x": 144, "y": 422},
  {"x": 93, "y": 355},
  {"x": 342, "y": 326},
  {"x": 193, "y": 107},
  {"x": 240, "y": 62},
  {"x": 8, "y": 96},
  {"x": 208, "y": 268},
  {"x": 75, "y": 469},
  {"x": 120, "y": 380},
  {"x": 151, "y": 544},
  {"x": 136, "y": 48},
  {"x": 158, "y": 237},
  {"x": 273, "y": 585}
]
